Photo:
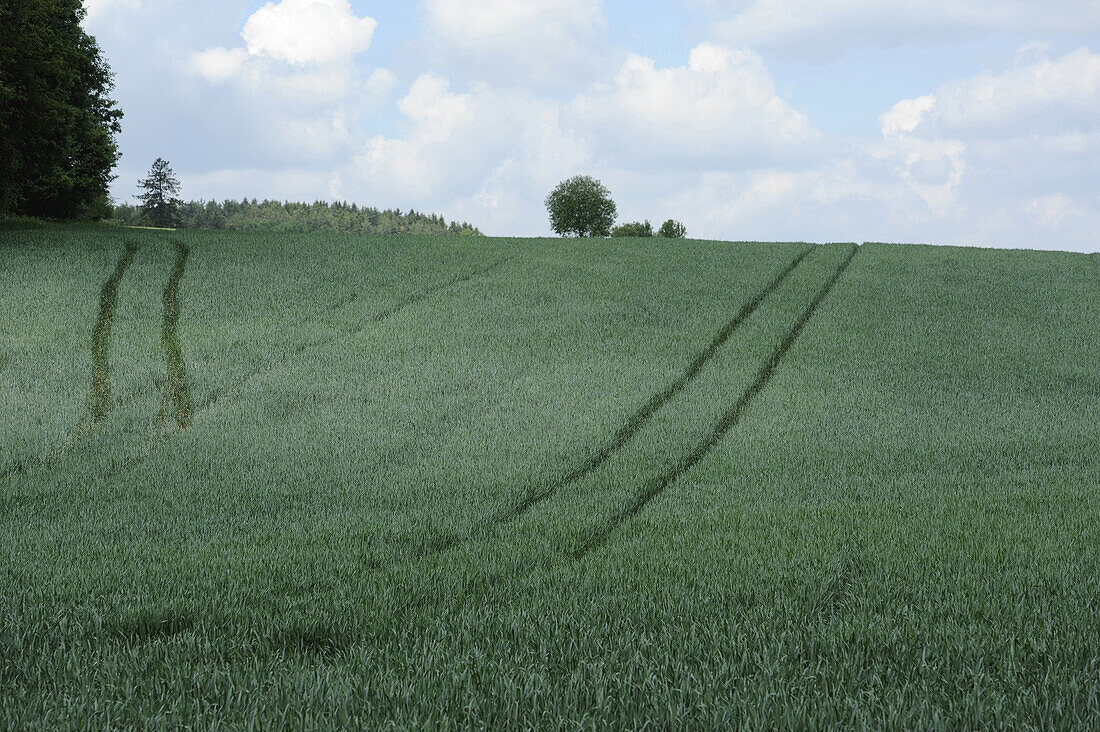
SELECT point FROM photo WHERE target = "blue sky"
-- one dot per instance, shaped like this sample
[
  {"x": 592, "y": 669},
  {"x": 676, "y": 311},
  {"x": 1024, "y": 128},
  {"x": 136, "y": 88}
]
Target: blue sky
[{"x": 976, "y": 123}]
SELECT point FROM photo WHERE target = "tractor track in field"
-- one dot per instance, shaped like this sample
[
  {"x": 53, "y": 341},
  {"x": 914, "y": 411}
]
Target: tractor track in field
[
  {"x": 23, "y": 466},
  {"x": 159, "y": 441},
  {"x": 317, "y": 315},
  {"x": 728, "y": 421},
  {"x": 176, "y": 407},
  {"x": 638, "y": 420},
  {"x": 99, "y": 405},
  {"x": 101, "y": 339}
]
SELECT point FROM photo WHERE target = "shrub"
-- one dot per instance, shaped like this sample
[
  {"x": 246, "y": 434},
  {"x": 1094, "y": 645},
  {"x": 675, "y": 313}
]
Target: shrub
[
  {"x": 581, "y": 206},
  {"x": 633, "y": 229},
  {"x": 672, "y": 229}
]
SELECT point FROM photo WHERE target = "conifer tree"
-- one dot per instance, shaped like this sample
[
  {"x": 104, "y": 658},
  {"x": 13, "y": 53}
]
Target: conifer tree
[{"x": 159, "y": 201}]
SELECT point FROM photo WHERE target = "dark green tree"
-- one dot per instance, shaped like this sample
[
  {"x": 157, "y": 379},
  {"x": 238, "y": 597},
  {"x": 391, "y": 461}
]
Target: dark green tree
[
  {"x": 672, "y": 229},
  {"x": 160, "y": 203},
  {"x": 581, "y": 206},
  {"x": 57, "y": 122}
]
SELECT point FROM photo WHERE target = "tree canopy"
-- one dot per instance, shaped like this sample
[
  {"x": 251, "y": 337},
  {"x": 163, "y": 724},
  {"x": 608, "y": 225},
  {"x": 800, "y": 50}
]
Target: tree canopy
[
  {"x": 581, "y": 206},
  {"x": 57, "y": 122}
]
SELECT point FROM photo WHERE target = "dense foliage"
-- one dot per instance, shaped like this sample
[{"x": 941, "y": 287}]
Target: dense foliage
[
  {"x": 160, "y": 202},
  {"x": 672, "y": 229},
  {"x": 634, "y": 229},
  {"x": 332, "y": 481},
  {"x": 278, "y": 216},
  {"x": 57, "y": 122},
  {"x": 581, "y": 206}
]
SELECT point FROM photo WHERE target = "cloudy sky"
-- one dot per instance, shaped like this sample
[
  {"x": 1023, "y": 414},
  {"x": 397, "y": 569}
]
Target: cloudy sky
[{"x": 974, "y": 122}]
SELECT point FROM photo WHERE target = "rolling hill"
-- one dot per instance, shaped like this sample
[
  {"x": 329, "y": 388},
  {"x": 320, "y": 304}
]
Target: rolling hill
[{"x": 279, "y": 480}]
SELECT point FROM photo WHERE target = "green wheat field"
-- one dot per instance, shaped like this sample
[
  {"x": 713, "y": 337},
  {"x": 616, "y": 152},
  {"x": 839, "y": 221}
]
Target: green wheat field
[{"x": 258, "y": 480}]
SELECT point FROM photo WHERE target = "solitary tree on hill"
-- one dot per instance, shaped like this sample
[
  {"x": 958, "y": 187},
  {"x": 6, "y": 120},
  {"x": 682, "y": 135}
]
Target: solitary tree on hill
[
  {"x": 159, "y": 200},
  {"x": 581, "y": 206}
]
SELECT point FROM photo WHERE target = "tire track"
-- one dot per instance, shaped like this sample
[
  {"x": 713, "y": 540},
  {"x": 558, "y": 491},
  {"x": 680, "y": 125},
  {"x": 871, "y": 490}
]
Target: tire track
[
  {"x": 728, "y": 421},
  {"x": 159, "y": 441},
  {"x": 153, "y": 384},
  {"x": 99, "y": 403},
  {"x": 74, "y": 438},
  {"x": 175, "y": 388},
  {"x": 101, "y": 339},
  {"x": 638, "y": 420}
]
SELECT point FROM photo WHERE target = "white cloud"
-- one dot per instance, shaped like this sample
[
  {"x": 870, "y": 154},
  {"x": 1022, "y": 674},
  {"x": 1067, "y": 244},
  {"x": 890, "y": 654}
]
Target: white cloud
[
  {"x": 219, "y": 64},
  {"x": 463, "y": 144},
  {"x": 1011, "y": 133},
  {"x": 544, "y": 43},
  {"x": 295, "y": 82},
  {"x": 931, "y": 168},
  {"x": 308, "y": 31},
  {"x": 906, "y": 115},
  {"x": 1025, "y": 128},
  {"x": 322, "y": 35},
  {"x": 511, "y": 197},
  {"x": 429, "y": 155},
  {"x": 1062, "y": 93},
  {"x": 1002, "y": 144},
  {"x": 437, "y": 112},
  {"x": 815, "y": 25},
  {"x": 720, "y": 107}
]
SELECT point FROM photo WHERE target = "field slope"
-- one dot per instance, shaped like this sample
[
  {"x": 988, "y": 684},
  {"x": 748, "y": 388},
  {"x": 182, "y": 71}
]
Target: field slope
[{"x": 257, "y": 480}]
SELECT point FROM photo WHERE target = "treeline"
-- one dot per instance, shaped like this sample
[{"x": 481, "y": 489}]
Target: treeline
[{"x": 283, "y": 216}]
